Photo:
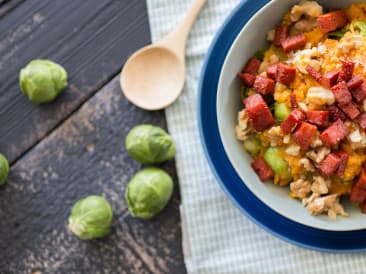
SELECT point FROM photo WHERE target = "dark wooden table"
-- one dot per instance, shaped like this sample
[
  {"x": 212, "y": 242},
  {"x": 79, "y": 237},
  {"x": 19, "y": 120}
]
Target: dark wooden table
[{"x": 74, "y": 147}]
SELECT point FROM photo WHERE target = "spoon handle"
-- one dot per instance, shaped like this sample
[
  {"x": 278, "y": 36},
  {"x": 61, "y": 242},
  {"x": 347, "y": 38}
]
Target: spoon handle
[{"x": 176, "y": 40}]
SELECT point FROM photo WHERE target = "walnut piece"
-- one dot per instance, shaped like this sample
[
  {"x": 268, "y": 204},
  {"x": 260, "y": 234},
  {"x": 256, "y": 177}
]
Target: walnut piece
[
  {"x": 320, "y": 185},
  {"x": 327, "y": 204},
  {"x": 308, "y": 9},
  {"x": 300, "y": 188},
  {"x": 305, "y": 162},
  {"x": 318, "y": 155},
  {"x": 243, "y": 128}
]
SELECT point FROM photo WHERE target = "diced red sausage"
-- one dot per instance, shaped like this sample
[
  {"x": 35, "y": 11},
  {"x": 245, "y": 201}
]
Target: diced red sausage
[
  {"x": 272, "y": 71},
  {"x": 317, "y": 117},
  {"x": 291, "y": 121},
  {"x": 264, "y": 85},
  {"x": 285, "y": 74},
  {"x": 330, "y": 164},
  {"x": 252, "y": 66},
  {"x": 281, "y": 34},
  {"x": 293, "y": 42},
  {"x": 347, "y": 70},
  {"x": 330, "y": 78},
  {"x": 293, "y": 100},
  {"x": 314, "y": 73},
  {"x": 355, "y": 82},
  {"x": 263, "y": 170},
  {"x": 247, "y": 79},
  {"x": 331, "y": 21},
  {"x": 334, "y": 134},
  {"x": 304, "y": 135},
  {"x": 359, "y": 93},
  {"x": 341, "y": 93},
  {"x": 363, "y": 207},
  {"x": 362, "y": 121},
  {"x": 351, "y": 110},
  {"x": 335, "y": 113},
  {"x": 258, "y": 112},
  {"x": 343, "y": 156},
  {"x": 358, "y": 192}
]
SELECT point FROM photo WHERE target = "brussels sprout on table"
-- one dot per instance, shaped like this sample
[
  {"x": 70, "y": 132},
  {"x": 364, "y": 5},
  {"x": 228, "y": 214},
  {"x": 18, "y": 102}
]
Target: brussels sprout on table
[
  {"x": 91, "y": 218},
  {"x": 42, "y": 80},
  {"x": 148, "y": 192},
  {"x": 149, "y": 144},
  {"x": 4, "y": 169}
]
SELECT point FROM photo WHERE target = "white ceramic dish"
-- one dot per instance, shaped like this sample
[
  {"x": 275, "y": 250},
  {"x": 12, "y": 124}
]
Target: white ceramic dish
[{"x": 252, "y": 38}]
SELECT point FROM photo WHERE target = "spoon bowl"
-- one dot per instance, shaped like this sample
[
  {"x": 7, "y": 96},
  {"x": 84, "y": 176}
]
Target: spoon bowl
[{"x": 152, "y": 76}]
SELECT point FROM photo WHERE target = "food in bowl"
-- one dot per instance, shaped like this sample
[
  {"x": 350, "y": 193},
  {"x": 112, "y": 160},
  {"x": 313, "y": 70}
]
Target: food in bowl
[{"x": 304, "y": 115}]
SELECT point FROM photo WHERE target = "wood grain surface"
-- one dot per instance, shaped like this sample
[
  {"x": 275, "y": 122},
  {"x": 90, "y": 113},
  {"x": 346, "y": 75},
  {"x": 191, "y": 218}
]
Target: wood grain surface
[
  {"x": 91, "y": 39},
  {"x": 74, "y": 147},
  {"x": 84, "y": 156}
]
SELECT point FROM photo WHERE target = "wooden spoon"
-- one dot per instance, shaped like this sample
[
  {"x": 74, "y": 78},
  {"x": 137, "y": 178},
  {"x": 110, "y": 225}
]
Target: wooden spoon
[{"x": 153, "y": 77}]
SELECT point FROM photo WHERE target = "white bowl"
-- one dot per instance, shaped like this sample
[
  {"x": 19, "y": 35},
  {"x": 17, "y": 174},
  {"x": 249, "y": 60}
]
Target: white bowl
[{"x": 250, "y": 39}]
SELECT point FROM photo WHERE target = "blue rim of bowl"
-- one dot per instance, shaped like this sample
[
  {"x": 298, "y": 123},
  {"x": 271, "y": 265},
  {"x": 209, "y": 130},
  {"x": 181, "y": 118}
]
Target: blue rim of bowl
[{"x": 231, "y": 183}]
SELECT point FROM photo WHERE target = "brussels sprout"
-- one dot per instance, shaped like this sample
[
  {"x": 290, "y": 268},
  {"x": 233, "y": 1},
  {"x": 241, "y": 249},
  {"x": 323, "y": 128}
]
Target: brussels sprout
[
  {"x": 42, "y": 80},
  {"x": 91, "y": 218},
  {"x": 361, "y": 26},
  {"x": 260, "y": 54},
  {"x": 148, "y": 192},
  {"x": 149, "y": 144},
  {"x": 252, "y": 145},
  {"x": 281, "y": 112},
  {"x": 4, "y": 169},
  {"x": 336, "y": 34},
  {"x": 276, "y": 162}
]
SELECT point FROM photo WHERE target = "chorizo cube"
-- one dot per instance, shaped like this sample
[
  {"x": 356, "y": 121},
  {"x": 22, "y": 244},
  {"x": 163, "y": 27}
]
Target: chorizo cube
[
  {"x": 359, "y": 93},
  {"x": 258, "y": 112},
  {"x": 358, "y": 192},
  {"x": 247, "y": 79},
  {"x": 343, "y": 156},
  {"x": 363, "y": 207},
  {"x": 330, "y": 78},
  {"x": 291, "y": 121},
  {"x": 355, "y": 82},
  {"x": 347, "y": 70},
  {"x": 317, "y": 76},
  {"x": 350, "y": 110},
  {"x": 285, "y": 74},
  {"x": 358, "y": 195},
  {"x": 330, "y": 164},
  {"x": 293, "y": 42},
  {"x": 335, "y": 113},
  {"x": 362, "y": 121},
  {"x": 334, "y": 134},
  {"x": 305, "y": 134},
  {"x": 317, "y": 117},
  {"x": 293, "y": 100},
  {"x": 341, "y": 93},
  {"x": 263, "y": 170},
  {"x": 281, "y": 33},
  {"x": 252, "y": 66},
  {"x": 332, "y": 20},
  {"x": 272, "y": 71},
  {"x": 264, "y": 85}
]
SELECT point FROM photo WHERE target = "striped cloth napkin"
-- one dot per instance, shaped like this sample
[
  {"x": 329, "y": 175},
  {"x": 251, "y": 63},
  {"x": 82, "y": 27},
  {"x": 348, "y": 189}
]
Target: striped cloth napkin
[{"x": 217, "y": 237}]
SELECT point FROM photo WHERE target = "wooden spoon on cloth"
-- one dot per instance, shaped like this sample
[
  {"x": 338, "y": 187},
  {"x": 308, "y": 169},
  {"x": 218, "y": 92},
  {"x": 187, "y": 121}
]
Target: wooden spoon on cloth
[{"x": 153, "y": 77}]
